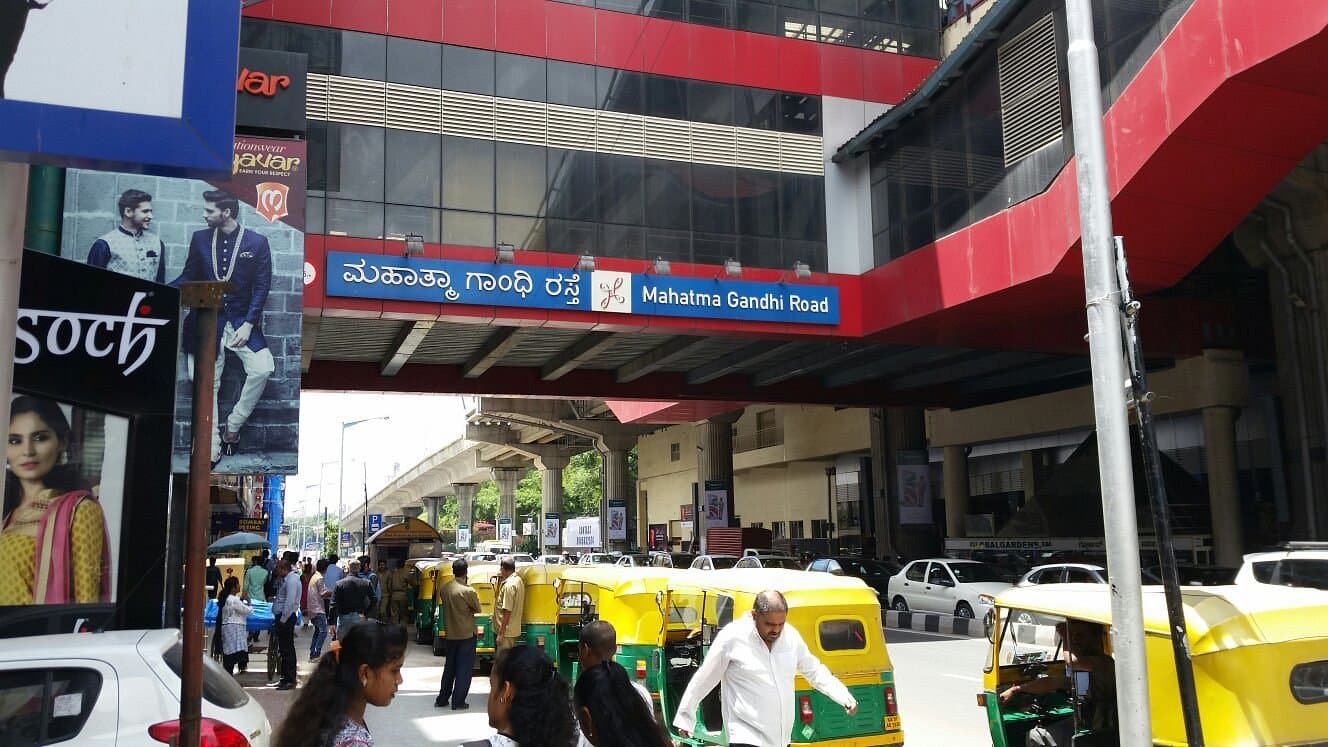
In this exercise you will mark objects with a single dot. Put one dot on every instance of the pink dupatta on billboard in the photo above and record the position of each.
(54, 582)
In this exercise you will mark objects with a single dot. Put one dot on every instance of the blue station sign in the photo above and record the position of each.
(382, 277)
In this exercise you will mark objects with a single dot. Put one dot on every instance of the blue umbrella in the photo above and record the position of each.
(237, 542)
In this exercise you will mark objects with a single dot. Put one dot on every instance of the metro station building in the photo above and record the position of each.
(872, 205)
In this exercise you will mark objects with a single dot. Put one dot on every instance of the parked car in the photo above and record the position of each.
(1193, 574)
(1064, 573)
(633, 560)
(671, 559)
(1294, 564)
(481, 557)
(523, 557)
(761, 552)
(874, 573)
(120, 688)
(963, 588)
(769, 561)
(714, 562)
(550, 559)
(595, 558)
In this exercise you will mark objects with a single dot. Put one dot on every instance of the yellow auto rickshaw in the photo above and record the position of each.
(633, 600)
(1260, 656)
(426, 571)
(483, 578)
(839, 618)
(539, 618)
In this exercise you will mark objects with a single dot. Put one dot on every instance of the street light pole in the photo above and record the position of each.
(341, 469)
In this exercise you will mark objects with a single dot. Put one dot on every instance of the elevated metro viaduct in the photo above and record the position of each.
(933, 197)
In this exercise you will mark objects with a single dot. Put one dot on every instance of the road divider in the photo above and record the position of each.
(928, 622)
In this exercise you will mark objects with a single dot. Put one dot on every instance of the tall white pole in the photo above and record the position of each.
(1109, 379)
(13, 217)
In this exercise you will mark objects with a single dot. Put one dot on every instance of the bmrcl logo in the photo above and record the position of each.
(611, 291)
(271, 203)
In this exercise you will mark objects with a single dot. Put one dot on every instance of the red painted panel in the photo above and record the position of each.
(521, 26)
(369, 16)
(664, 48)
(415, 20)
(800, 66)
(1274, 120)
(1193, 173)
(1298, 69)
(1194, 62)
(569, 33)
(636, 411)
(841, 71)
(616, 40)
(712, 53)
(313, 292)
(1256, 31)
(883, 77)
(989, 248)
(753, 54)
(469, 23)
(912, 71)
(261, 10)
(1136, 122)
(314, 12)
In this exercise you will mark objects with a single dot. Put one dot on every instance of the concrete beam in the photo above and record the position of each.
(409, 338)
(571, 357)
(806, 364)
(892, 360)
(741, 358)
(499, 344)
(658, 358)
(499, 435)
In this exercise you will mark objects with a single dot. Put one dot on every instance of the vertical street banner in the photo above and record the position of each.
(463, 536)
(551, 530)
(617, 520)
(248, 231)
(274, 489)
(505, 531)
(913, 474)
(715, 504)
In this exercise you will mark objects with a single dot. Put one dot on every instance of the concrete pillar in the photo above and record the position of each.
(905, 429)
(410, 512)
(714, 460)
(1219, 425)
(613, 449)
(507, 478)
(551, 491)
(431, 504)
(956, 491)
(465, 493)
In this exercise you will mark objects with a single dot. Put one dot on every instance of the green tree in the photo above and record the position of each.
(583, 484)
(331, 536)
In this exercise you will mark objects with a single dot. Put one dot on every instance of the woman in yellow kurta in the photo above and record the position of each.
(53, 545)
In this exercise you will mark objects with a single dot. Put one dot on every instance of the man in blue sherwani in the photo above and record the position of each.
(226, 251)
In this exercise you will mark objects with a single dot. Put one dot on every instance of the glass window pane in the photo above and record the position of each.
(842, 7)
(922, 15)
(317, 155)
(758, 202)
(840, 30)
(626, 242)
(711, 12)
(667, 186)
(620, 185)
(526, 234)
(800, 113)
(713, 249)
(520, 179)
(757, 17)
(417, 63)
(802, 207)
(881, 10)
(620, 91)
(798, 24)
(571, 84)
(467, 174)
(756, 107)
(675, 10)
(401, 220)
(573, 237)
(757, 251)
(520, 77)
(466, 69)
(361, 55)
(467, 229)
(812, 252)
(350, 218)
(314, 214)
(355, 162)
(572, 192)
(709, 102)
(674, 246)
(412, 168)
(622, 6)
(666, 97)
(714, 204)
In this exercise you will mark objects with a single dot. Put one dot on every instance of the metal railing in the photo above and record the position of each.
(759, 439)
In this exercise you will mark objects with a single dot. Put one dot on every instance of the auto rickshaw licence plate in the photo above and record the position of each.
(892, 723)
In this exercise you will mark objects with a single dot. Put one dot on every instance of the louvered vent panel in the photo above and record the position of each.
(801, 154)
(713, 144)
(668, 139)
(571, 127)
(315, 97)
(468, 115)
(356, 101)
(1030, 90)
(757, 149)
(624, 134)
(413, 108)
(521, 121)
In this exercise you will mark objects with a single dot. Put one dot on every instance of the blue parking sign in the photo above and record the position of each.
(375, 523)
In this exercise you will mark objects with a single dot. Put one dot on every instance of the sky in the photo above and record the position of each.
(419, 425)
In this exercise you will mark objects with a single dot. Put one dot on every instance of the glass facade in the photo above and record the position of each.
(944, 168)
(374, 182)
(903, 26)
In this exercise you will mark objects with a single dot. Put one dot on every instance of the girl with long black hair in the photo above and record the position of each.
(611, 711)
(528, 701)
(363, 668)
(232, 622)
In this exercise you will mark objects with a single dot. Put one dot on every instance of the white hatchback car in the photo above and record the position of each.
(963, 588)
(1296, 564)
(120, 688)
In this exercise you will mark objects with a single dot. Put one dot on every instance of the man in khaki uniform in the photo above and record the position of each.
(511, 601)
(394, 594)
(459, 605)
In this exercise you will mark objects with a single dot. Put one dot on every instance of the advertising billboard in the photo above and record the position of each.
(248, 231)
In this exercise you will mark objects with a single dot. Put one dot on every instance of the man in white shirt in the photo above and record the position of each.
(756, 658)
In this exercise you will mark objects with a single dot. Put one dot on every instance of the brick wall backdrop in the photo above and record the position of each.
(269, 442)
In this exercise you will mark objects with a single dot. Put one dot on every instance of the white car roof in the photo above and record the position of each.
(83, 645)
(1085, 566)
(1283, 554)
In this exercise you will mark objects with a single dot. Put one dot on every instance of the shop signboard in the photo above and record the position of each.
(162, 102)
(355, 275)
(169, 231)
(270, 90)
(249, 524)
(617, 520)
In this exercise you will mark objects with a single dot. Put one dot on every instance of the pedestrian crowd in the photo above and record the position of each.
(530, 704)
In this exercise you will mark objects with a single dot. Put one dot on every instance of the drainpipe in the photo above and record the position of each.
(46, 204)
(1297, 384)
(1316, 327)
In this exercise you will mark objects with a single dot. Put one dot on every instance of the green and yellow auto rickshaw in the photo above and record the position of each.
(483, 578)
(425, 573)
(539, 619)
(839, 618)
(633, 600)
